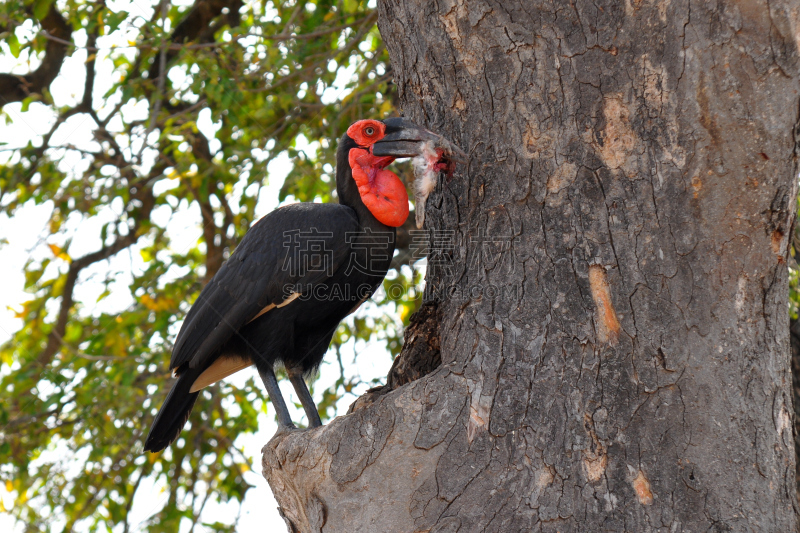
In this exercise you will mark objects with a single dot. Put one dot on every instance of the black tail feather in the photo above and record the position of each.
(174, 413)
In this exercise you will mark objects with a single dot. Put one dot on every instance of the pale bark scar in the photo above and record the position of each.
(778, 245)
(608, 324)
(539, 144)
(595, 459)
(478, 418)
(458, 101)
(784, 421)
(563, 177)
(595, 465)
(469, 51)
(480, 408)
(697, 186)
(544, 478)
(741, 293)
(642, 487)
(619, 140)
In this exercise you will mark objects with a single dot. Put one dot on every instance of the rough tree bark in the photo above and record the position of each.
(614, 344)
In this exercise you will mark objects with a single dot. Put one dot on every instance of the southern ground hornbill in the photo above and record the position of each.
(297, 273)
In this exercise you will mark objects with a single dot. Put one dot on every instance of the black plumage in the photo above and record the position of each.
(255, 276)
(280, 296)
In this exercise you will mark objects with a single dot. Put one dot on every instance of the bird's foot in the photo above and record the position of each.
(284, 429)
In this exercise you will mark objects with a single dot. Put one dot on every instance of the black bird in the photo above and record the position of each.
(296, 274)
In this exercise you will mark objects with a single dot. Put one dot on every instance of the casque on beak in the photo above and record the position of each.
(406, 139)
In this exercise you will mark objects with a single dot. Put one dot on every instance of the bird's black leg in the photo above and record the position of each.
(271, 383)
(296, 377)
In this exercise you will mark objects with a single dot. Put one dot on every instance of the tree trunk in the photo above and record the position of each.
(613, 322)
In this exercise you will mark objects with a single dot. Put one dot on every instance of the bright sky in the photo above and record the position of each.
(27, 237)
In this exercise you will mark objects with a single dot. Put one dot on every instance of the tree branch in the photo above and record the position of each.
(88, 88)
(15, 88)
(197, 46)
(145, 195)
(193, 25)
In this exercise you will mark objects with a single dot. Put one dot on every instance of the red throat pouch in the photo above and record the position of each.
(381, 190)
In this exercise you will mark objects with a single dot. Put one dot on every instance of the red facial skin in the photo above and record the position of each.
(381, 190)
(358, 132)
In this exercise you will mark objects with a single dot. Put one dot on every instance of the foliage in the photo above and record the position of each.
(794, 271)
(83, 381)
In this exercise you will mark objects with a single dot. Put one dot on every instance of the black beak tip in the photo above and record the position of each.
(407, 139)
(396, 148)
(458, 155)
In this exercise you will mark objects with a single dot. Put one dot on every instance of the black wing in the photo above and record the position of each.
(257, 274)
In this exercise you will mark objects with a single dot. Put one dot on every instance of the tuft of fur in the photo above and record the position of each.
(425, 178)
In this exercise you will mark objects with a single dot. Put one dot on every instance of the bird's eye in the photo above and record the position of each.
(369, 131)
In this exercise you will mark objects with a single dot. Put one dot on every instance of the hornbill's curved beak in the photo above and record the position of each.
(405, 139)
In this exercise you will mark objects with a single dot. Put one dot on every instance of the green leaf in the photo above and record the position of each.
(41, 8)
(114, 20)
(13, 44)
(26, 103)
(249, 90)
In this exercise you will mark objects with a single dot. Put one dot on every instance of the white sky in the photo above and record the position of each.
(27, 237)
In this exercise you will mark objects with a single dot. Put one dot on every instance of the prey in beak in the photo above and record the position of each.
(432, 154)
